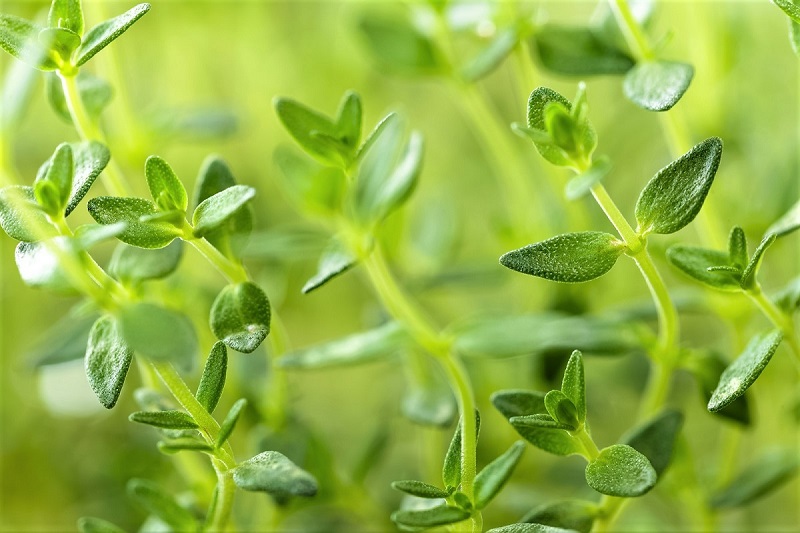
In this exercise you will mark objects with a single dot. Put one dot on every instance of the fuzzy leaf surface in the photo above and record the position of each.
(655, 438)
(164, 419)
(273, 473)
(240, 316)
(419, 489)
(21, 217)
(491, 479)
(215, 211)
(108, 358)
(695, 263)
(166, 189)
(155, 234)
(212, 381)
(66, 14)
(104, 33)
(657, 85)
(621, 471)
(428, 518)
(335, 260)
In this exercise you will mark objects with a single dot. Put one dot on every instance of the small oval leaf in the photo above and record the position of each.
(213, 379)
(273, 473)
(419, 489)
(158, 333)
(107, 360)
(428, 518)
(240, 316)
(216, 210)
(657, 85)
(621, 471)
(164, 419)
(110, 210)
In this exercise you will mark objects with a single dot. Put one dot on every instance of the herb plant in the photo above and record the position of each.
(426, 387)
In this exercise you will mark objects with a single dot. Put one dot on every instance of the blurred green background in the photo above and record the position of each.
(62, 456)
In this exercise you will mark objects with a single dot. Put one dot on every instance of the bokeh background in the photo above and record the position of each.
(198, 77)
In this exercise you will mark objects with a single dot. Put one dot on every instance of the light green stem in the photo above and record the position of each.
(401, 308)
(234, 272)
(589, 446)
(634, 35)
(89, 131)
(618, 220)
(610, 508)
(780, 319)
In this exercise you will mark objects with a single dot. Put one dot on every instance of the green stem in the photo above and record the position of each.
(634, 35)
(610, 508)
(589, 446)
(234, 272)
(631, 238)
(89, 131)
(780, 319)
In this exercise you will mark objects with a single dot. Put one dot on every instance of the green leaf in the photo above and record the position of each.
(335, 260)
(512, 403)
(539, 99)
(110, 210)
(164, 419)
(765, 475)
(104, 33)
(226, 428)
(508, 336)
(491, 479)
(676, 193)
(429, 404)
(273, 473)
(158, 333)
(89, 159)
(748, 281)
(794, 37)
(492, 55)
(358, 348)
(21, 217)
(788, 299)
(59, 42)
(89, 235)
(791, 9)
(39, 265)
(544, 433)
(240, 316)
(213, 379)
(696, 262)
(166, 189)
(159, 502)
(107, 360)
(656, 438)
(419, 489)
(529, 528)
(576, 515)
(657, 85)
(313, 188)
(451, 469)
(577, 51)
(46, 195)
(427, 518)
(568, 258)
(88, 524)
(60, 173)
(348, 120)
(562, 409)
(20, 38)
(313, 132)
(573, 385)
(621, 471)
(581, 185)
(788, 223)
(129, 264)
(66, 14)
(744, 371)
(737, 248)
(540, 421)
(707, 367)
(215, 211)
(388, 172)
(184, 444)
(398, 46)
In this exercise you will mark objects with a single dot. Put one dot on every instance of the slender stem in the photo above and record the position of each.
(89, 131)
(669, 329)
(613, 213)
(634, 35)
(234, 272)
(781, 320)
(589, 446)
(610, 508)
(459, 382)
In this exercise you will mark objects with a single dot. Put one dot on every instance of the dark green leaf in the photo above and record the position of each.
(240, 316)
(66, 14)
(737, 248)
(19, 37)
(539, 99)
(751, 270)
(107, 361)
(657, 85)
(166, 189)
(419, 489)
(40, 266)
(581, 185)
(129, 263)
(313, 188)
(104, 33)
(655, 438)
(89, 158)
(110, 210)
(621, 471)
(707, 367)
(226, 428)
(427, 518)
(184, 444)
(313, 132)
(158, 333)
(788, 223)
(791, 9)
(568, 258)
(88, 524)
(743, 372)
(21, 217)
(676, 193)
(577, 51)
(353, 349)
(159, 502)
(492, 55)
(399, 46)
(491, 479)
(451, 469)
(544, 433)
(529, 528)
(695, 262)
(540, 421)
(508, 336)
(164, 419)
(765, 475)
(513, 403)
(213, 379)
(577, 515)
(335, 260)
(215, 211)
(573, 385)
(561, 409)
(273, 473)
